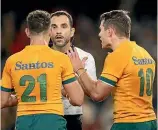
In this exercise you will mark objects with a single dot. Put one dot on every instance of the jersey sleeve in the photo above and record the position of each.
(6, 83)
(68, 74)
(114, 66)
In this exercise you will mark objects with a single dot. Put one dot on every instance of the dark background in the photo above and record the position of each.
(97, 116)
(88, 7)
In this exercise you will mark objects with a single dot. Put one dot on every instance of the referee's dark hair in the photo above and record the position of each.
(61, 12)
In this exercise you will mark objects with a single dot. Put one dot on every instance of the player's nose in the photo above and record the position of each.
(99, 34)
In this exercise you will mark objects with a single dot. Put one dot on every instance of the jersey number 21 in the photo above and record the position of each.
(43, 88)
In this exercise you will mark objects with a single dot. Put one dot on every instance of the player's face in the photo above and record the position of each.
(104, 36)
(61, 31)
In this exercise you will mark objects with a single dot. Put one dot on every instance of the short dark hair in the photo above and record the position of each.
(59, 13)
(119, 19)
(38, 21)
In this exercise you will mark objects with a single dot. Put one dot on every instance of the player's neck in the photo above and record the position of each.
(62, 49)
(117, 42)
(38, 41)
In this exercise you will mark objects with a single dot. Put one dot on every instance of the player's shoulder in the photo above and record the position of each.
(83, 54)
(145, 53)
(14, 57)
(144, 50)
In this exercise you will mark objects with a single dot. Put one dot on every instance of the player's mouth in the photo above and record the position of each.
(101, 40)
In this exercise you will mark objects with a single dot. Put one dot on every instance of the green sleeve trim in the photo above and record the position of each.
(69, 81)
(111, 82)
(7, 89)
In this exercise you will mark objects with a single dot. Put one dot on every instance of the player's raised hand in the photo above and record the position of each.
(75, 60)
(84, 61)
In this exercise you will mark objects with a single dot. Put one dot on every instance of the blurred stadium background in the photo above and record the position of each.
(97, 116)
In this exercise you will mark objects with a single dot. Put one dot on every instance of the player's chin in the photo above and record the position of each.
(103, 45)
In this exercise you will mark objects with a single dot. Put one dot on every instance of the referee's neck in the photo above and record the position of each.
(63, 49)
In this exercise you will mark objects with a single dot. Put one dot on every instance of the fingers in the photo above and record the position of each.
(84, 59)
(76, 53)
(72, 54)
(69, 54)
(13, 95)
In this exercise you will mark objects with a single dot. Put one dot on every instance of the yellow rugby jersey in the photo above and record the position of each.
(131, 70)
(37, 74)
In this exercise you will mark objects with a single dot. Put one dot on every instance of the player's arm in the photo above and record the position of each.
(100, 89)
(97, 90)
(7, 100)
(71, 86)
(75, 93)
(65, 94)
(91, 71)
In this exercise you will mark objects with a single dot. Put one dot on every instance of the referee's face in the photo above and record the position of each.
(61, 31)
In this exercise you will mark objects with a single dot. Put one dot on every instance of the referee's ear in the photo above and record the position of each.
(72, 32)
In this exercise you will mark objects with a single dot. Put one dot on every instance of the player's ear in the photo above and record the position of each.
(27, 32)
(109, 31)
(112, 31)
(72, 32)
